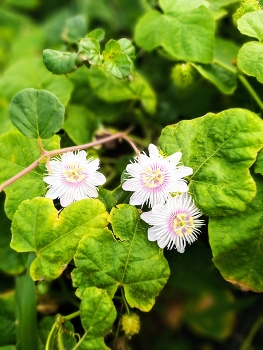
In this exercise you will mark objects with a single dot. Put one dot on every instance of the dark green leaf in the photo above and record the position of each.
(36, 113)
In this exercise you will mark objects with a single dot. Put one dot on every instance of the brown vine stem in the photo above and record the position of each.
(47, 154)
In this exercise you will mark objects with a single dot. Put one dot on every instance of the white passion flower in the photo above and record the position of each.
(153, 177)
(72, 177)
(174, 223)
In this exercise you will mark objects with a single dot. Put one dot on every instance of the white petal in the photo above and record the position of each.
(174, 158)
(65, 201)
(153, 151)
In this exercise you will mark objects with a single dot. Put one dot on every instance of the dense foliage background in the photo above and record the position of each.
(170, 82)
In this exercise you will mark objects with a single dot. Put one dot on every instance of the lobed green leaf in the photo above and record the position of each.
(184, 33)
(37, 113)
(115, 61)
(218, 147)
(129, 260)
(37, 226)
(237, 244)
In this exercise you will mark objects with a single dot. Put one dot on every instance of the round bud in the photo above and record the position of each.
(130, 324)
(184, 75)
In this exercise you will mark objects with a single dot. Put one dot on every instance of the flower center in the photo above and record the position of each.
(183, 224)
(152, 178)
(74, 173)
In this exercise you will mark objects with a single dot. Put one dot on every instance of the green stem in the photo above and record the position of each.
(69, 317)
(251, 91)
(247, 343)
(49, 339)
(27, 333)
(225, 66)
(125, 302)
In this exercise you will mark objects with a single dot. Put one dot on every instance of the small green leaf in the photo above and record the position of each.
(131, 261)
(81, 124)
(116, 62)
(89, 49)
(54, 237)
(59, 62)
(127, 48)
(16, 153)
(237, 244)
(97, 314)
(36, 113)
(251, 24)
(97, 34)
(249, 59)
(218, 147)
(186, 35)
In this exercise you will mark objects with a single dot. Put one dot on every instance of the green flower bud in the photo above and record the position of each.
(130, 324)
(246, 6)
(184, 75)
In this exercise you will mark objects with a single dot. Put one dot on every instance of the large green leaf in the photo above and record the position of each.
(97, 314)
(37, 113)
(237, 244)
(59, 62)
(111, 89)
(16, 153)
(37, 226)
(249, 59)
(130, 261)
(251, 24)
(185, 32)
(218, 147)
(11, 262)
